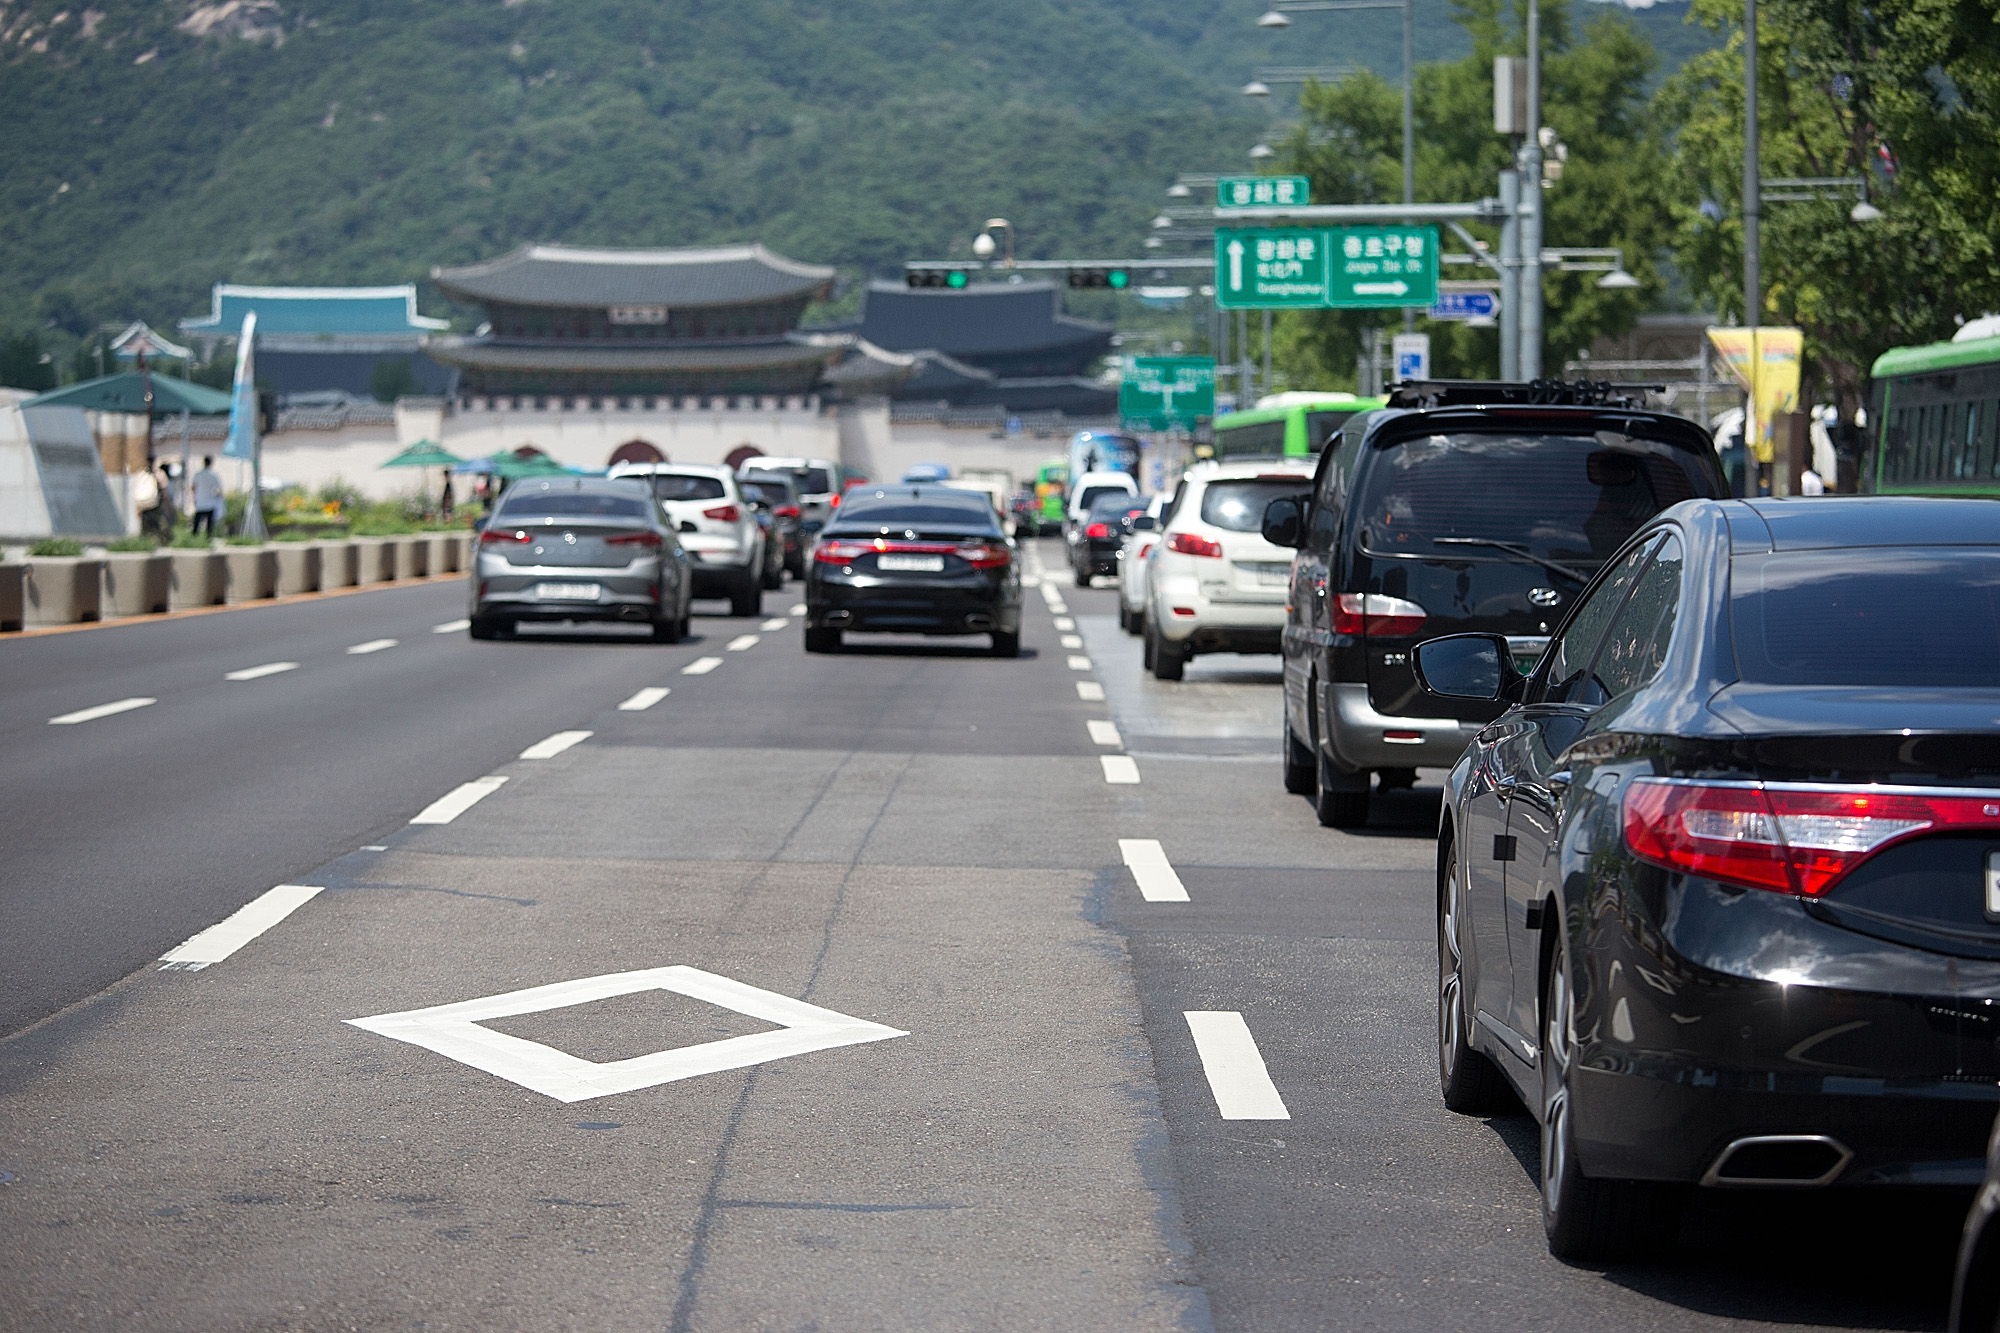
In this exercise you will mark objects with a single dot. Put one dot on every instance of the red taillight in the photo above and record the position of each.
(787, 511)
(1099, 530)
(1145, 546)
(984, 555)
(723, 513)
(1375, 615)
(841, 553)
(1189, 543)
(651, 539)
(1791, 839)
(833, 502)
(493, 538)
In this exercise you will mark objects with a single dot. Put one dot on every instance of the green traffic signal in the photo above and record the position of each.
(954, 279)
(1117, 277)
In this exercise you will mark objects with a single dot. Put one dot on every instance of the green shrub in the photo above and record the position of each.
(240, 539)
(51, 548)
(185, 540)
(140, 544)
(283, 536)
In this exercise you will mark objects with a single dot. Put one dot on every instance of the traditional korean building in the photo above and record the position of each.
(312, 340)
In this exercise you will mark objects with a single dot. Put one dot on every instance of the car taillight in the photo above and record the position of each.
(1099, 530)
(1780, 836)
(1377, 616)
(1189, 543)
(984, 555)
(841, 553)
(1145, 546)
(833, 502)
(723, 513)
(788, 511)
(490, 537)
(651, 539)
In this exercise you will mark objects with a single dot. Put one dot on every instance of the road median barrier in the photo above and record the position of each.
(339, 563)
(252, 573)
(137, 583)
(199, 579)
(413, 556)
(301, 567)
(10, 595)
(377, 559)
(63, 589)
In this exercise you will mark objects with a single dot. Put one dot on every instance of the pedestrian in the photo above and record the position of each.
(444, 501)
(208, 506)
(1811, 483)
(146, 500)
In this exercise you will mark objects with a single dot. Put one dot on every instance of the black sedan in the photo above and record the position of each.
(914, 560)
(1102, 535)
(1719, 893)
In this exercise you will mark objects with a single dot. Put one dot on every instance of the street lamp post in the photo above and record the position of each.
(1753, 209)
(1529, 336)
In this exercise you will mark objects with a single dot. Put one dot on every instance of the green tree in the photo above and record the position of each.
(22, 364)
(392, 379)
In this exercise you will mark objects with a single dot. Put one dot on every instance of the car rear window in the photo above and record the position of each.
(1239, 505)
(1117, 505)
(814, 480)
(1092, 494)
(915, 516)
(573, 505)
(681, 486)
(1913, 617)
(1564, 497)
(777, 489)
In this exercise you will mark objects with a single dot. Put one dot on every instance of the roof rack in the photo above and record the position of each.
(1567, 393)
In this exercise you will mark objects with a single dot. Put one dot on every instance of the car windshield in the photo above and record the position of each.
(915, 516)
(1239, 505)
(586, 505)
(1915, 617)
(1564, 497)
(684, 486)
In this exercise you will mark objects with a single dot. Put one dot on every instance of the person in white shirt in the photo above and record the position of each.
(1810, 483)
(208, 506)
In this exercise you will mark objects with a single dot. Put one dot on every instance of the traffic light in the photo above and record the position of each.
(953, 278)
(1117, 279)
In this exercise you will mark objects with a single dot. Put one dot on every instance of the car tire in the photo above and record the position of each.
(1145, 651)
(1301, 765)
(774, 577)
(667, 630)
(747, 599)
(1341, 804)
(1082, 578)
(1586, 1220)
(1006, 645)
(1470, 1082)
(822, 640)
(1168, 662)
(483, 627)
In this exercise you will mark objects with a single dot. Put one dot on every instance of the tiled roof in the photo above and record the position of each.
(561, 275)
(980, 321)
(634, 360)
(324, 311)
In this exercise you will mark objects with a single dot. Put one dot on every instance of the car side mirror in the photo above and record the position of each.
(1468, 666)
(1283, 520)
(687, 525)
(1145, 523)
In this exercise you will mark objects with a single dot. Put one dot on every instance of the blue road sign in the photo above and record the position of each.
(1465, 305)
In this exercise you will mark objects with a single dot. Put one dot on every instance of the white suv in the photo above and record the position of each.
(718, 529)
(1213, 584)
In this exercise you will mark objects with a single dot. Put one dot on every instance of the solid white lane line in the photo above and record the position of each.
(102, 710)
(451, 627)
(1120, 769)
(798, 610)
(237, 929)
(253, 673)
(644, 699)
(1090, 691)
(1071, 640)
(775, 623)
(1236, 1074)
(458, 800)
(1151, 870)
(1104, 733)
(372, 646)
(1064, 622)
(742, 641)
(1077, 663)
(701, 666)
(555, 744)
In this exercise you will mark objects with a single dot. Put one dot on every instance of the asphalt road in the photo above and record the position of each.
(978, 1066)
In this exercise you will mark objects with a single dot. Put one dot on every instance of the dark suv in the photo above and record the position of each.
(1462, 506)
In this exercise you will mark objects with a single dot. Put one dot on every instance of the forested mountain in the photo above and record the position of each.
(156, 146)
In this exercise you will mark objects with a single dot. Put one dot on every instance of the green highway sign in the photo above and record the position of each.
(1344, 268)
(1262, 192)
(1166, 392)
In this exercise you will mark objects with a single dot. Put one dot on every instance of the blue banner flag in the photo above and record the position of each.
(242, 442)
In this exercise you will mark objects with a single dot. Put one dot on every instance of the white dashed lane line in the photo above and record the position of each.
(644, 699)
(555, 744)
(1103, 732)
(774, 624)
(1079, 663)
(451, 627)
(742, 641)
(1151, 870)
(258, 672)
(1065, 623)
(101, 710)
(701, 666)
(372, 646)
(237, 929)
(1236, 1074)
(798, 610)
(1090, 691)
(1070, 640)
(1121, 770)
(458, 800)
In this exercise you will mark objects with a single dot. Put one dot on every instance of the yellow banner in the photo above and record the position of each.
(1765, 361)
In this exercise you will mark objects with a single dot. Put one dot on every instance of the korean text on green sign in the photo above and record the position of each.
(1262, 192)
(1350, 268)
(1167, 392)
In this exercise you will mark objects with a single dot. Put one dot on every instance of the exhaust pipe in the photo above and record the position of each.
(1779, 1161)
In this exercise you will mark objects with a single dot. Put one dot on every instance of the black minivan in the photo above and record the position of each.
(1463, 506)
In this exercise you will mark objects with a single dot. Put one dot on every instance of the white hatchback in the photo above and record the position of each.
(1214, 585)
(1132, 565)
(718, 529)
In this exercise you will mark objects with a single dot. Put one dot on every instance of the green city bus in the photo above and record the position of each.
(1932, 415)
(1051, 494)
(1287, 425)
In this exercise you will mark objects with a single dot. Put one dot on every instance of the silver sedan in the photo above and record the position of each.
(580, 549)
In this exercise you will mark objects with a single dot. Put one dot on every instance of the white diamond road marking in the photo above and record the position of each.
(1090, 691)
(1104, 733)
(1120, 769)
(701, 666)
(451, 627)
(798, 610)
(774, 624)
(372, 646)
(1077, 663)
(644, 699)
(258, 672)
(101, 710)
(1151, 870)
(555, 744)
(1071, 640)
(458, 800)
(742, 641)
(237, 929)
(1064, 622)
(1236, 1074)
(453, 1030)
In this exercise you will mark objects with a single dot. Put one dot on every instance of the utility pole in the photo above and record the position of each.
(1530, 335)
(1510, 275)
(1753, 208)
(1410, 127)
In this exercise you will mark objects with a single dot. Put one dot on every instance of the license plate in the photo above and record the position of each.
(1993, 886)
(910, 564)
(1269, 575)
(566, 592)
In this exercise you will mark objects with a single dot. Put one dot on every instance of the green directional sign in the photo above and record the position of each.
(1373, 267)
(1346, 268)
(1262, 192)
(1271, 268)
(1166, 392)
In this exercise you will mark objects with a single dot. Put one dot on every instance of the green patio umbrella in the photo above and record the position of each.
(126, 392)
(513, 467)
(425, 453)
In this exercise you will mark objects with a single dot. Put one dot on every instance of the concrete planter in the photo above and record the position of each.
(199, 579)
(413, 557)
(378, 559)
(339, 564)
(62, 590)
(137, 583)
(300, 567)
(444, 553)
(253, 573)
(465, 543)
(10, 596)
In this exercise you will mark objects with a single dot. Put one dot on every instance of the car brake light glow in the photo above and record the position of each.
(984, 555)
(833, 502)
(1191, 543)
(1376, 616)
(787, 511)
(652, 539)
(492, 538)
(723, 513)
(1098, 530)
(1784, 837)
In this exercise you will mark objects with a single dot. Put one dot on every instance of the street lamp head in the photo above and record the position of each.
(1617, 280)
(999, 222)
(1271, 18)
(1162, 222)
(982, 245)
(1262, 151)
(1865, 212)
(1256, 88)
(1178, 190)
(1154, 242)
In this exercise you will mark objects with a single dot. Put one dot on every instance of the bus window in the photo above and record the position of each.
(1258, 439)
(1322, 427)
